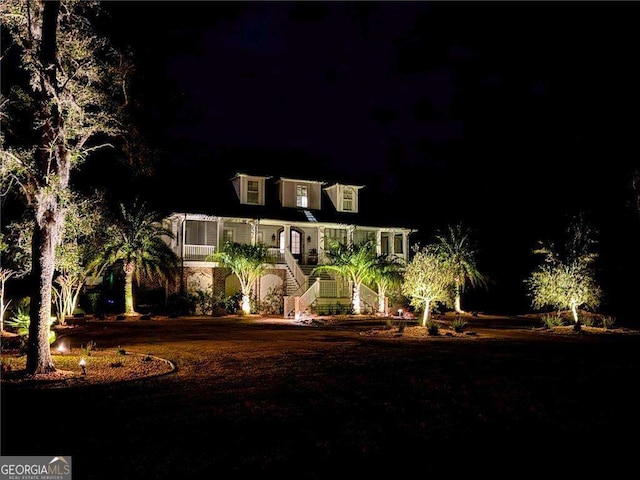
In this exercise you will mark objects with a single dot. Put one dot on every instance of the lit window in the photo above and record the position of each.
(398, 244)
(384, 244)
(301, 196)
(253, 192)
(335, 234)
(227, 235)
(198, 232)
(295, 243)
(347, 200)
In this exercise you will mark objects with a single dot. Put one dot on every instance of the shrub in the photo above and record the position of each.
(21, 321)
(201, 301)
(88, 348)
(179, 304)
(550, 321)
(433, 328)
(273, 301)
(94, 301)
(608, 321)
(229, 303)
(6, 366)
(459, 324)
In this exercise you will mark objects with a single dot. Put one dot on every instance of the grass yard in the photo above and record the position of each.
(254, 396)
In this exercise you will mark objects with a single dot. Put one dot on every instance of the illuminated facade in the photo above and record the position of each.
(295, 218)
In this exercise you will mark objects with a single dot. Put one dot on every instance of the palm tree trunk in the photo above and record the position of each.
(458, 301)
(128, 289)
(356, 298)
(381, 303)
(246, 302)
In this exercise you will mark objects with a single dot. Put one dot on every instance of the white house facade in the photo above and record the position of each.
(296, 219)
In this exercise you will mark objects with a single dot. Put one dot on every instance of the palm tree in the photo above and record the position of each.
(248, 262)
(353, 261)
(135, 242)
(386, 273)
(459, 252)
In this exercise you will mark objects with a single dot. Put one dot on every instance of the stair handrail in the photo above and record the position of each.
(308, 297)
(292, 263)
(369, 297)
(301, 289)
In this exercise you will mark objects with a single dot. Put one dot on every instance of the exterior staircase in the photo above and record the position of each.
(290, 284)
(329, 293)
(307, 269)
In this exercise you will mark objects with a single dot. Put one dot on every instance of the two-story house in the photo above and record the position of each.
(296, 218)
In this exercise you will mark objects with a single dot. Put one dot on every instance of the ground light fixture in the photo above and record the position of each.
(83, 365)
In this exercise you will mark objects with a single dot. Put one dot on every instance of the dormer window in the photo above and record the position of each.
(344, 197)
(249, 188)
(347, 200)
(302, 197)
(253, 192)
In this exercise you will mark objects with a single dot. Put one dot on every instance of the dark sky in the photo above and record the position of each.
(509, 116)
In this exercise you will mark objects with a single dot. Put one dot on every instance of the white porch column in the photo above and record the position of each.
(254, 231)
(379, 242)
(350, 230)
(287, 237)
(405, 245)
(218, 230)
(320, 244)
(184, 235)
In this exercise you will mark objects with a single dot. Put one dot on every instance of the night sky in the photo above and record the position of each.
(508, 116)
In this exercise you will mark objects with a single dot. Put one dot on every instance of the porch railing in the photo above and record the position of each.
(197, 253)
(335, 288)
(368, 299)
(275, 255)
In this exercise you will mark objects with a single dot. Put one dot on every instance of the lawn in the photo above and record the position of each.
(257, 396)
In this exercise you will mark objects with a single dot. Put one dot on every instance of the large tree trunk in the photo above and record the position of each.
(425, 314)
(43, 249)
(53, 169)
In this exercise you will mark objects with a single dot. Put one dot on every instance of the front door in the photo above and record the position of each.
(296, 245)
(295, 240)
